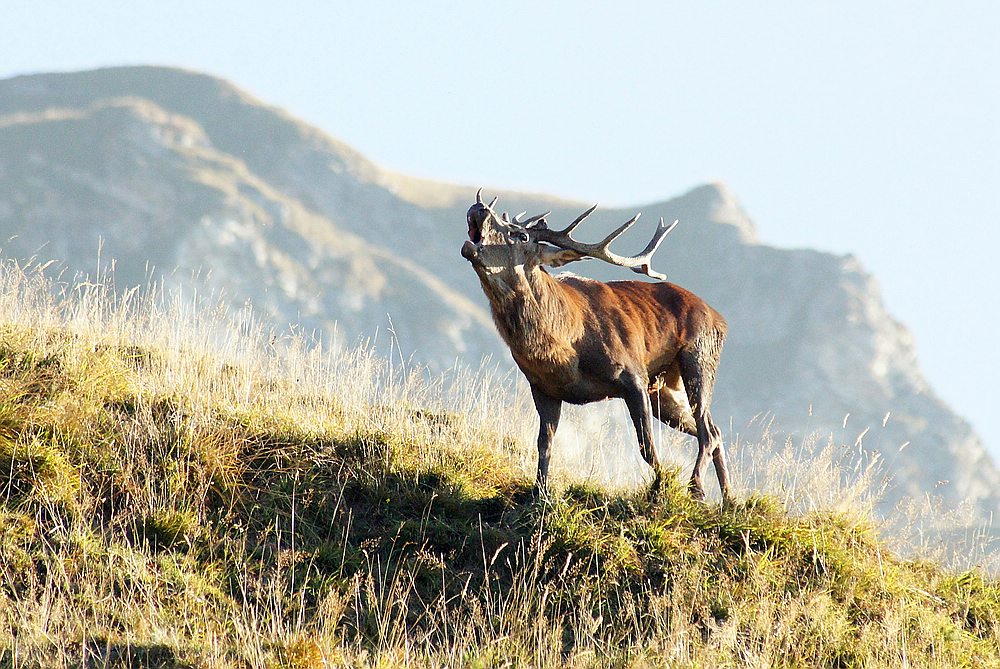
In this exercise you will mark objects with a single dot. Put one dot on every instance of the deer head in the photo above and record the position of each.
(503, 251)
(499, 245)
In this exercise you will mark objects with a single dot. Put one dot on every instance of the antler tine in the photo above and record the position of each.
(517, 219)
(489, 207)
(536, 218)
(642, 260)
(662, 230)
(620, 231)
(579, 219)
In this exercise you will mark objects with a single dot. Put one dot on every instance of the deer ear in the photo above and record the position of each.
(559, 257)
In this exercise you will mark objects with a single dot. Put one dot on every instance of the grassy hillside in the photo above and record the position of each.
(179, 490)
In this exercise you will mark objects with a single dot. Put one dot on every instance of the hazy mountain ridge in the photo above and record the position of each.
(190, 174)
(150, 187)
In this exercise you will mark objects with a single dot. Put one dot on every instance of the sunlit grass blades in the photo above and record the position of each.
(178, 491)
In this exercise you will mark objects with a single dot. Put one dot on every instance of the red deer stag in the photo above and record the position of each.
(655, 345)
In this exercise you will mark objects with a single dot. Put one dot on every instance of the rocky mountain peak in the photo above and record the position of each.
(716, 203)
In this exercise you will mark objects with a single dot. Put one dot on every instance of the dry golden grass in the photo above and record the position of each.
(180, 489)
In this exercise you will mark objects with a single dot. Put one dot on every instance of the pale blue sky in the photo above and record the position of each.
(857, 127)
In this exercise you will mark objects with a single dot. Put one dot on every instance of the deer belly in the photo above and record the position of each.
(566, 382)
(584, 393)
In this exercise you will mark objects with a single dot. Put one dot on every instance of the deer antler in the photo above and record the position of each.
(479, 199)
(503, 220)
(640, 264)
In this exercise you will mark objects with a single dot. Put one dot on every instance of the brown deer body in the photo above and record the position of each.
(655, 345)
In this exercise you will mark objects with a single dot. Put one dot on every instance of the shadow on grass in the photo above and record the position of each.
(101, 654)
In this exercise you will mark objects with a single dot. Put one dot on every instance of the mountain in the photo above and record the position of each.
(180, 175)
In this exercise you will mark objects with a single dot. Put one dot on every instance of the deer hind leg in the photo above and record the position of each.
(698, 363)
(638, 402)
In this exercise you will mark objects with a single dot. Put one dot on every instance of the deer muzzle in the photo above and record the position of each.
(469, 251)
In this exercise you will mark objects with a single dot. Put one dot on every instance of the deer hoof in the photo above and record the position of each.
(541, 494)
(696, 491)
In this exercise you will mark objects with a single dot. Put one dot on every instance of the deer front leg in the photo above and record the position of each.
(548, 409)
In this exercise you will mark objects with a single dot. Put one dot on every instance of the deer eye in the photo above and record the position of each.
(521, 236)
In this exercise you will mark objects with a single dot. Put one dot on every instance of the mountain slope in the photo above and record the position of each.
(188, 174)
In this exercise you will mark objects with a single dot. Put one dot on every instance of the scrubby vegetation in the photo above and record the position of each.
(177, 492)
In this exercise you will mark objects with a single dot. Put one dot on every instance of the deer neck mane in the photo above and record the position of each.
(536, 315)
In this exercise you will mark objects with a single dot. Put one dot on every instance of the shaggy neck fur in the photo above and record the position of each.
(534, 313)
